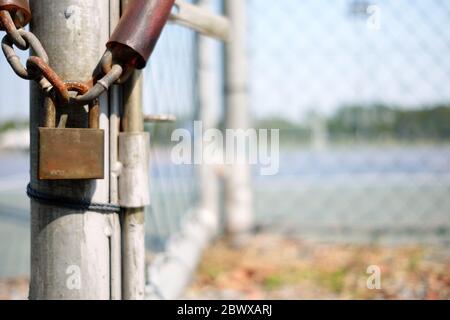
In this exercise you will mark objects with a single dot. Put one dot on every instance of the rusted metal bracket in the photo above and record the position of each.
(138, 31)
(201, 20)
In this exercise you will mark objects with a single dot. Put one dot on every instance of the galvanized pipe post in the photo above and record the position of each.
(72, 251)
(133, 143)
(238, 194)
(208, 115)
(115, 166)
(201, 19)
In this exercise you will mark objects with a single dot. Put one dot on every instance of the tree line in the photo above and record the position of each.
(369, 123)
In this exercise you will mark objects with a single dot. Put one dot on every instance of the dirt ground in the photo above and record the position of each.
(14, 289)
(273, 267)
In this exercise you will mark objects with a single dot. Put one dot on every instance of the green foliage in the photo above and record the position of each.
(11, 125)
(290, 132)
(273, 282)
(381, 122)
(161, 133)
(335, 281)
(370, 124)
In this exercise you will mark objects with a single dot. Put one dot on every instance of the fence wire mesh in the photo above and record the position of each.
(170, 88)
(360, 92)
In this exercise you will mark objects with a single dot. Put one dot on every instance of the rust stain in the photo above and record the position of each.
(52, 77)
(71, 154)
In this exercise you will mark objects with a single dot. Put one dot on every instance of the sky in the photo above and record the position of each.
(308, 55)
(313, 55)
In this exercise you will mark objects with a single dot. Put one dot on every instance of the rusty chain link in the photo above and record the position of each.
(13, 59)
(38, 68)
(129, 48)
(7, 23)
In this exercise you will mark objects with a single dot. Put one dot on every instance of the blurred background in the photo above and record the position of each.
(360, 92)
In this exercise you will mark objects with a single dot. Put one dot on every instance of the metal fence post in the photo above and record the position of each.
(238, 194)
(71, 249)
(114, 125)
(133, 219)
(208, 107)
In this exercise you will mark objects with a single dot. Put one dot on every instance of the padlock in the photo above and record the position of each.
(19, 10)
(71, 153)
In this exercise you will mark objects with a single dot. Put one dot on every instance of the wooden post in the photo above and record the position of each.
(71, 250)
(238, 195)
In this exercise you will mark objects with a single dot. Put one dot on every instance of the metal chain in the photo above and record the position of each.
(38, 68)
(8, 24)
(13, 59)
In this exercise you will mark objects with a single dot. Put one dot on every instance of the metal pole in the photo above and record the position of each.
(71, 251)
(200, 19)
(238, 195)
(133, 219)
(114, 125)
(208, 110)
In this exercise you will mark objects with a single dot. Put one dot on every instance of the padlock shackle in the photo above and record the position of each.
(94, 107)
(49, 120)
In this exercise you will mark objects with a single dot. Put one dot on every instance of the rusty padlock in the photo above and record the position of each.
(71, 153)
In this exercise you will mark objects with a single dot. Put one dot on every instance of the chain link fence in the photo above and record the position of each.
(360, 92)
(170, 89)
